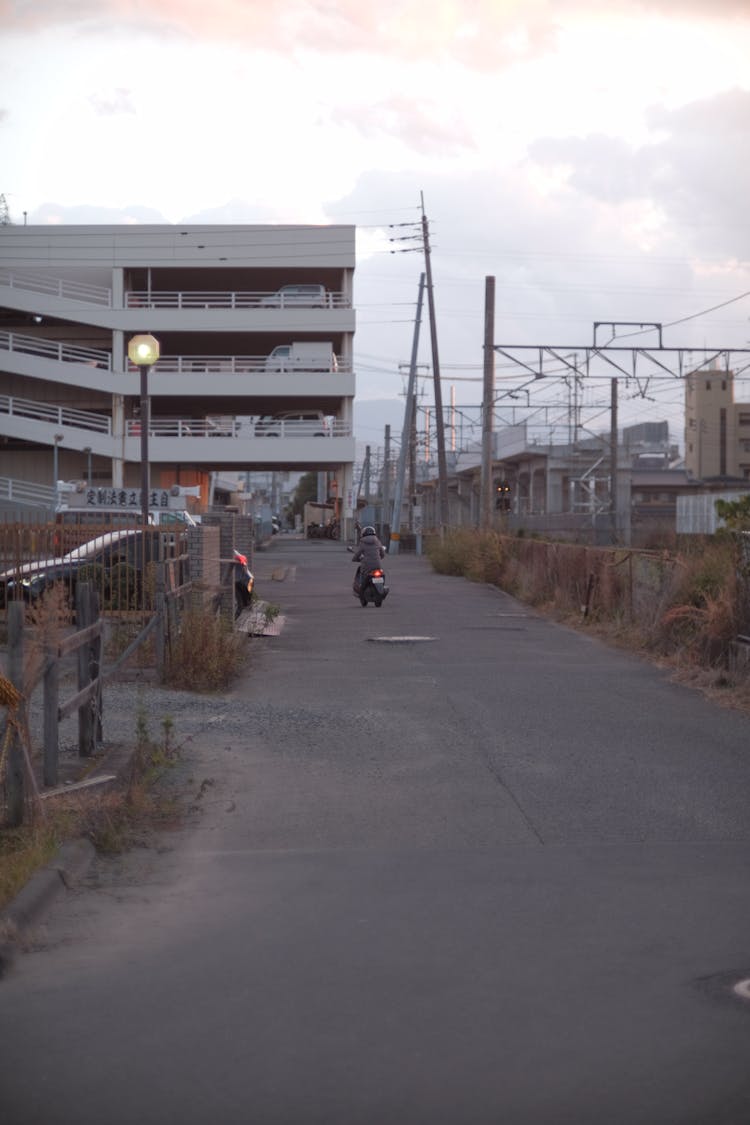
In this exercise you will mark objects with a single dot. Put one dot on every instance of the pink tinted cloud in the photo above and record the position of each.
(474, 31)
(478, 33)
(417, 123)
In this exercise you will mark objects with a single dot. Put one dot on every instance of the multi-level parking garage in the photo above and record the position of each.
(224, 302)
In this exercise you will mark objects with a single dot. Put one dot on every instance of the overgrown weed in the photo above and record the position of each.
(114, 821)
(207, 654)
(684, 609)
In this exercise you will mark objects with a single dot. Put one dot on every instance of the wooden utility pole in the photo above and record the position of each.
(486, 491)
(439, 419)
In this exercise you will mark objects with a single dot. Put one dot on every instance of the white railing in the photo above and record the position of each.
(294, 428)
(54, 415)
(26, 492)
(180, 365)
(227, 426)
(221, 299)
(51, 349)
(172, 299)
(240, 365)
(58, 287)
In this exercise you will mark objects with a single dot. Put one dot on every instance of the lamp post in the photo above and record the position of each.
(143, 351)
(87, 451)
(55, 463)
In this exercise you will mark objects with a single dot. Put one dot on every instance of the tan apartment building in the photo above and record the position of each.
(717, 429)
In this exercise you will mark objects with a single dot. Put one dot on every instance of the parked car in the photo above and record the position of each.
(113, 562)
(75, 526)
(292, 423)
(296, 296)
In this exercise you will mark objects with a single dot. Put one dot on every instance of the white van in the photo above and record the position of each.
(302, 356)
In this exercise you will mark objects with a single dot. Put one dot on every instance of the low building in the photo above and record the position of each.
(717, 429)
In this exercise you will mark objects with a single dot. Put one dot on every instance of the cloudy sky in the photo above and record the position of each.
(593, 158)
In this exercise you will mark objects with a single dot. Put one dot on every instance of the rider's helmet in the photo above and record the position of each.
(368, 531)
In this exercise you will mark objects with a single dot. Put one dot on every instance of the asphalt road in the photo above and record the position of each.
(497, 875)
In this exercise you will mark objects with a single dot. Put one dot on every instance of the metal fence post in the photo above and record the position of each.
(86, 725)
(160, 607)
(51, 721)
(14, 778)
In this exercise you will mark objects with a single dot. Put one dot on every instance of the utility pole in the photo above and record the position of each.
(613, 460)
(407, 432)
(439, 420)
(366, 474)
(488, 402)
(386, 486)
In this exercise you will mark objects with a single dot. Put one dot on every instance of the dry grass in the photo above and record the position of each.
(23, 851)
(207, 654)
(684, 608)
(114, 821)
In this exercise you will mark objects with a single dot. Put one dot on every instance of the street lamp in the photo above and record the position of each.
(55, 470)
(143, 351)
(87, 451)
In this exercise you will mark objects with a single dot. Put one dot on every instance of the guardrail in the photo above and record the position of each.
(57, 287)
(51, 349)
(180, 365)
(239, 365)
(242, 426)
(221, 299)
(239, 427)
(54, 415)
(26, 492)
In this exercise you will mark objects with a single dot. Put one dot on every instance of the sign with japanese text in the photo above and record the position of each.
(120, 498)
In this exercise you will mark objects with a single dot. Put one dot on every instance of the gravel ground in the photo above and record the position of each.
(131, 704)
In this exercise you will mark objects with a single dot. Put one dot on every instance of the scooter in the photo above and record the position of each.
(243, 583)
(369, 585)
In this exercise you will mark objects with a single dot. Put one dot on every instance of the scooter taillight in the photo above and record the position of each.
(376, 574)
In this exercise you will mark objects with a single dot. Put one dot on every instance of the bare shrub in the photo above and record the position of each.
(487, 559)
(451, 553)
(207, 654)
(700, 619)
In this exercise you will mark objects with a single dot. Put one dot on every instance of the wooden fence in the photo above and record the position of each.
(18, 771)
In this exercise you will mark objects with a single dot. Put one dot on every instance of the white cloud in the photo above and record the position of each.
(116, 102)
(697, 173)
(588, 156)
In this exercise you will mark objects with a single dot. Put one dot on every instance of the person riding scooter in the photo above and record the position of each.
(368, 554)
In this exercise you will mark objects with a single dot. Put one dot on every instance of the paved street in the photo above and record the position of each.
(496, 874)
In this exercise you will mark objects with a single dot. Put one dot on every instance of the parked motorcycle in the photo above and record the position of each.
(369, 585)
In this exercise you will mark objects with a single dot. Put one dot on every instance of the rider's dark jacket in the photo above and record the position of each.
(369, 553)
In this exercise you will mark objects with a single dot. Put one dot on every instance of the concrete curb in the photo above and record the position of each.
(71, 862)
